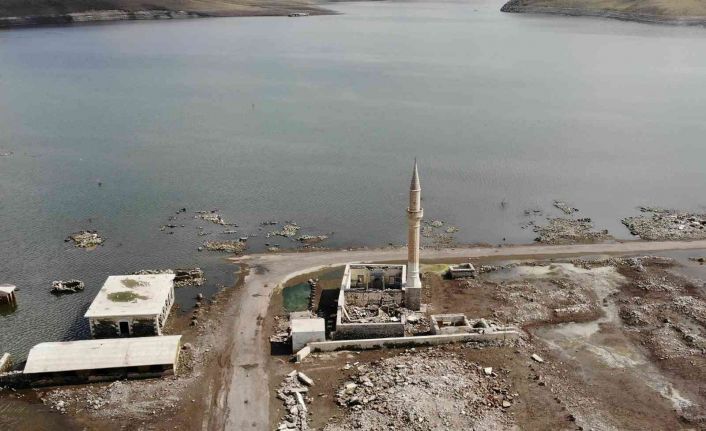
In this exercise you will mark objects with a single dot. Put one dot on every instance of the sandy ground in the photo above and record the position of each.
(247, 383)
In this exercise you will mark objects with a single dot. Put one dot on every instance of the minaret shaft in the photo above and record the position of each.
(414, 220)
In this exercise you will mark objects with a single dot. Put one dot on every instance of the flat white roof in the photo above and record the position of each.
(132, 295)
(308, 325)
(105, 353)
(7, 288)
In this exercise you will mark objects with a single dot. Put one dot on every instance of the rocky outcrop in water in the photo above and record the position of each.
(70, 286)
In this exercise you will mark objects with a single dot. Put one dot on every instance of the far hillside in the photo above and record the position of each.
(660, 11)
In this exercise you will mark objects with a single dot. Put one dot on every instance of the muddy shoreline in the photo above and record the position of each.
(514, 6)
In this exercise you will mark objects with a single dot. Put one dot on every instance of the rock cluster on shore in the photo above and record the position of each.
(661, 224)
(568, 231)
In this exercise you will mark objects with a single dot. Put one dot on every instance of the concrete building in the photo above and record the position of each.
(131, 306)
(306, 329)
(109, 359)
(7, 294)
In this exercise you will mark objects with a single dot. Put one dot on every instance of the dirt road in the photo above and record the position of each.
(242, 403)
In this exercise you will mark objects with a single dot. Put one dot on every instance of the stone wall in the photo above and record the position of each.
(352, 331)
(413, 298)
(144, 328)
(426, 340)
(105, 328)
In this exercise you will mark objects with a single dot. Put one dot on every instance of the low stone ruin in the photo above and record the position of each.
(85, 239)
(294, 394)
(70, 286)
(182, 277)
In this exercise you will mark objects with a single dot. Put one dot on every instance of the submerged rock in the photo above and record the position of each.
(226, 246)
(85, 239)
(70, 286)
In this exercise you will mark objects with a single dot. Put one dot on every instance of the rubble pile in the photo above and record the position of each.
(85, 239)
(666, 225)
(370, 314)
(294, 394)
(567, 231)
(70, 286)
(417, 324)
(237, 247)
(423, 390)
(182, 277)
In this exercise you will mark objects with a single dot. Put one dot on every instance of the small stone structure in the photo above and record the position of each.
(463, 270)
(7, 294)
(131, 306)
(450, 324)
(305, 329)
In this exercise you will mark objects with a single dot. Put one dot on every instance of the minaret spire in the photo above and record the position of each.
(414, 219)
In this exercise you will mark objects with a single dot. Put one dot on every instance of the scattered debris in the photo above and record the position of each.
(294, 395)
(6, 154)
(666, 225)
(70, 286)
(227, 246)
(85, 239)
(700, 259)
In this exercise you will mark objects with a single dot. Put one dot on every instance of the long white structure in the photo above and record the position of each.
(130, 354)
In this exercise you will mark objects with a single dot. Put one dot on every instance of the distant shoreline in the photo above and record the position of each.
(9, 22)
(515, 6)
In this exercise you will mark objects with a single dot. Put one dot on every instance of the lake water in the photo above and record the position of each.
(317, 120)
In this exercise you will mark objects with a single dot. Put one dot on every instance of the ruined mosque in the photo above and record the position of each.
(376, 301)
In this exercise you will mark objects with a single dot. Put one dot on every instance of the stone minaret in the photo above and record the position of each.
(414, 219)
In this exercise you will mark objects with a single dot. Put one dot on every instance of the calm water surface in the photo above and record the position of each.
(317, 120)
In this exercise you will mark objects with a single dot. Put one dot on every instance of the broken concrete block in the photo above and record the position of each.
(305, 379)
(303, 353)
(488, 371)
(300, 400)
(537, 358)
